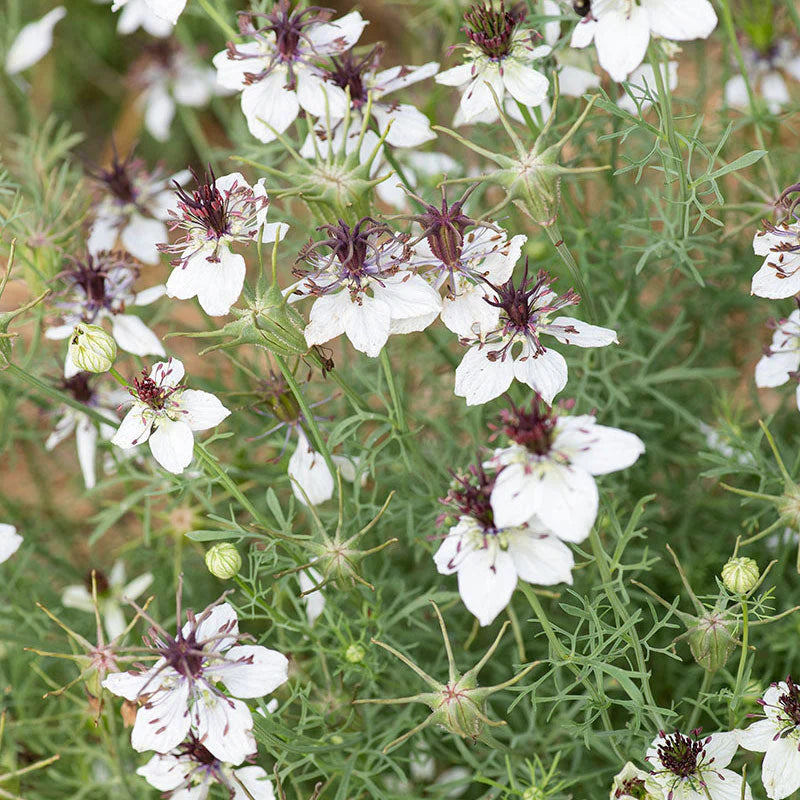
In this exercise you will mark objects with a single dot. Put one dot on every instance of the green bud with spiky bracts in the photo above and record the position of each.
(460, 704)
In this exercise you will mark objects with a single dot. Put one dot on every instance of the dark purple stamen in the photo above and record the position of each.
(347, 72)
(101, 583)
(681, 754)
(119, 177)
(790, 701)
(92, 274)
(470, 495)
(205, 206)
(492, 29)
(150, 392)
(532, 429)
(78, 387)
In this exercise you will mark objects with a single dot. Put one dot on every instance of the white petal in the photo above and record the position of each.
(133, 336)
(168, 373)
(312, 481)
(319, 97)
(541, 559)
(113, 620)
(255, 783)
(140, 237)
(159, 110)
(77, 596)
(770, 283)
(758, 736)
(222, 284)
(164, 772)
(201, 410)
(455, 546)
(569, 330)
(681, 19)
(394, 78)
(216, 629)
(253, 671)
(524, 83)
(478, 96)
(103, 233)
(326, 320)
(597, 449)
(138, 585)
(163, 722)
(568, 502)
(169, 10)
(33, 42)
(545, 373)
(225, 727)
(575, 82)
(131, 684)
(269, 107)
(486, 581)
(409, 126)
(583, 34)
(410, 297)
(780, 770)
(367, 324)
(515, 496)
(725, 784)
(134, 428)
(10, 541)
(480, 380)
(86, 441)
(773, 370)
(721, 748)
(456, 76)
(330, 38)
(622, 40)
(468, 314)
(231, 71)
(147, 296)
(315, 600)
(736, 93)
(172, 445)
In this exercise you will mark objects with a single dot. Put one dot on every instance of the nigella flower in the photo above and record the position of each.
(467, 264)
(548, 469)
(181, 695)
(694, 767)
(219, 213)
(82, 425)
(100, 286)
(189, 771)
(488, 558)
(409, 126)
(777, 735)
(491, 363)
(33, 42)
(166, 414)
(133, 209)
(500, 57)
(779, 275)
(765, 72)
(363, 287)
(168, 76)
(621, 29)
(110, 592)
(10, 541)
(631, 783)
(278, 73)
(781, 360)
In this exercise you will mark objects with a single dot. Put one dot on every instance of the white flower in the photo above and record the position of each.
(312, 482)
(631, 783)
(525, 313)
(363, 288)
(642, 85)
(782, 358)
(10, 541)
(219, 213)
(694, 768)
(33, 42)
(778, 737)
(314, 601)
(180, 693)
(166, 414)
(779, 275)
(71, 420)
(548, 470)
(621, 29)
(765, 71)
(156, 17)
(111, 592)
(407, 126)
(500, 55)
(190, 770)
(277, 72)
(169, 76)
(488, 558)
(133, 210)
(101, 287)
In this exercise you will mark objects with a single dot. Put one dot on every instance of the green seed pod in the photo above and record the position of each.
(92, 349)
(712, 639)
(740, 575)
(223, 561)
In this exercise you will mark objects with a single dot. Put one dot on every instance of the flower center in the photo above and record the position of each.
(492, 29)
(348, 73)
(205, 206)
(197, 752)
(151, 393)
(534, 429)
(680, 754)
(790, 701)
(119, 179)
(633, 787)
(100, 581)
(78, 387)
(184, 655)
(470, 495)
(444, 229)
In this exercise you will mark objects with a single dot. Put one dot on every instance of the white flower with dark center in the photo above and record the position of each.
(514, 348)
(778, 737)
(133, 209)
(363, 287)
(407, 126)
(694, 767)
(221, 212)
(181, 695)
(33, 42)
(548, 469)
(781, 360)
(631, 783)
(168, 76)
(779, 275)
(279, 72)
(166, 414)
(765, 72)
(189, 771)
(489, 559)
(468, 264)
(500, 55)
(86, 431)
(112, 591)
(100, 287)
(10, 541)
(621, 29)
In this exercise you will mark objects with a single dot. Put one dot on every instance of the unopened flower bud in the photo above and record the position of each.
(354, 654)
(789, 506)
(712, 639)
(92, 349)
(740, 575)
(223, 561)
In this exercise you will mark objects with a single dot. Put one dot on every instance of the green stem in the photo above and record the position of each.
(704, 686)
(737, 690)
(117, 377)
(212, 12)
(554, 234)
(398, 407)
